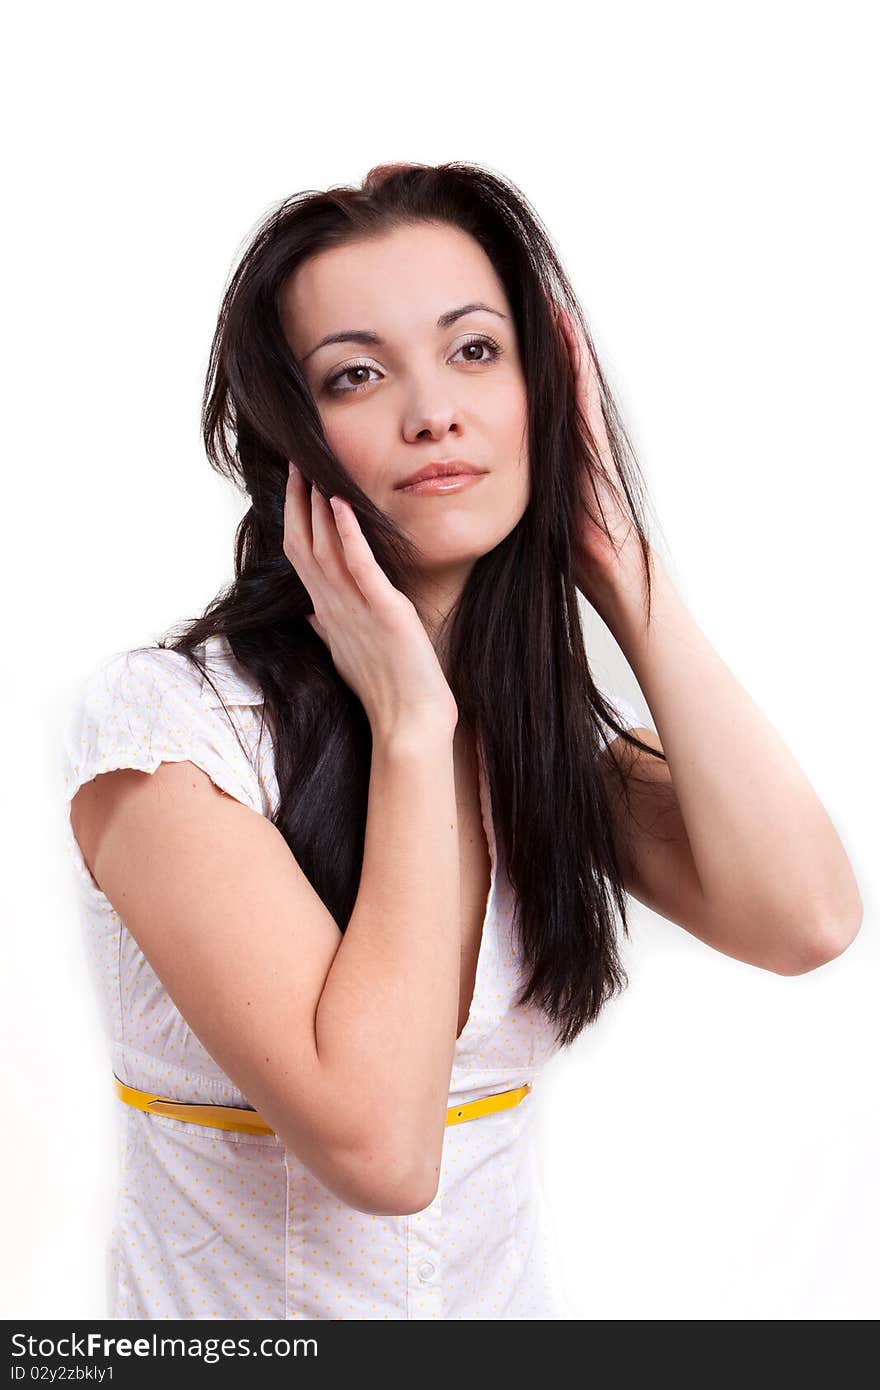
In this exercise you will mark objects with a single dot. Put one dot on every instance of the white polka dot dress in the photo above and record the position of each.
(215, 1223)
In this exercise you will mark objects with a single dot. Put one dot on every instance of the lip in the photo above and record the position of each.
(452, 482)
(438, 468)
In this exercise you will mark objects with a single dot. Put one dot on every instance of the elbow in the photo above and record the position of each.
(368, 1178)
(400, 1175)
(382, 1186)
(408, 1188)
(826, 942)
(402, 1197)
(414, 1199)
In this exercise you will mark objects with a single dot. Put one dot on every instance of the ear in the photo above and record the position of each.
(572, 338)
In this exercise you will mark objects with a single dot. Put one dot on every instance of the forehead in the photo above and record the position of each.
(399, 282)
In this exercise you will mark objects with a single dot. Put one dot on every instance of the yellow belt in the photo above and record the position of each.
(233, 1116)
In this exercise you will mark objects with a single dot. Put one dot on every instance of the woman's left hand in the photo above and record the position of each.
(598, 560)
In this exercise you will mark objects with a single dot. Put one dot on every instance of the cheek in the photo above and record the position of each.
(518, 448)
(516, 419)
(517, 438)
(353, 451)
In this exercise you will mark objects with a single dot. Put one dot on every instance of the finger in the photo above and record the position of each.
(304, 532)
(294, 532)
(327, 544)
(365, 570)
(297, 540)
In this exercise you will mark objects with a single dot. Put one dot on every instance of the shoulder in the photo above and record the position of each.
(143, 678)
(148, 705)
(126, 676)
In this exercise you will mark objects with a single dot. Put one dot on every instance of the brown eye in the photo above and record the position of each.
(332, 387)
(484, 343)
(346, 371)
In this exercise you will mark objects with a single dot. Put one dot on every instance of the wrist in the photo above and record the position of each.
(619, 593)
(413, 736)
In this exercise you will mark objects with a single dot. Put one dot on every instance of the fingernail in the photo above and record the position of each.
(291, 468)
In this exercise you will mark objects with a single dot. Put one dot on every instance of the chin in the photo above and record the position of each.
(455, 557)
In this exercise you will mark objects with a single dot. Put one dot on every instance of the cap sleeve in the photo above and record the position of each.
(143, 708)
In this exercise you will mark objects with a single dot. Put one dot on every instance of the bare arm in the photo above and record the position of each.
(344, 1042)
(728, 838)
(259, 969)
(387, 1016)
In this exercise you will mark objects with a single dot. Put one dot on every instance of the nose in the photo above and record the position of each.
(433, 424)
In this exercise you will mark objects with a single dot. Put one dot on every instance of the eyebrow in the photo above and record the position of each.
(370, 339)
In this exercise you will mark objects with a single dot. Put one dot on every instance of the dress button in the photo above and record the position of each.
(426, 1269)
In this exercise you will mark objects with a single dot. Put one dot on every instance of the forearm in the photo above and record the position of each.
(761, 840)
(387, 1017)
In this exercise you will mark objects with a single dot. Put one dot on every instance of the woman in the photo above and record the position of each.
(371, 883)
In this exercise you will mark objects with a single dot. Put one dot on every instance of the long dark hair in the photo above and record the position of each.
(516, 662)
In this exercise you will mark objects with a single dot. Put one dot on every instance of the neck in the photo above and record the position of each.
(435, 601)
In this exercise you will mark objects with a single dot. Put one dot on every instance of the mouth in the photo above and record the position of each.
(451, 482)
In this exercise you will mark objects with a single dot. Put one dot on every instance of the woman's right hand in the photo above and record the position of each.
(375, 636)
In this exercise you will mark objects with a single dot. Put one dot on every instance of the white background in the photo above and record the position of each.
(708, 175)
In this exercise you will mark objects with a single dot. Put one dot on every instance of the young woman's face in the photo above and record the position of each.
(423, 393)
